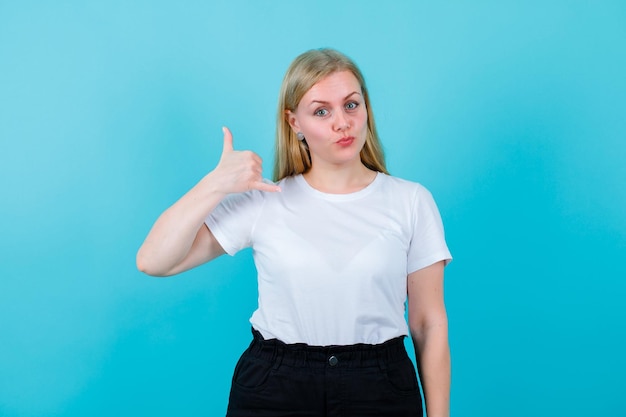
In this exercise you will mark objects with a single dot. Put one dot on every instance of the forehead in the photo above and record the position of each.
(336, 85)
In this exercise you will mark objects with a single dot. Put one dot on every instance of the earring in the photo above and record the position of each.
(300, 136)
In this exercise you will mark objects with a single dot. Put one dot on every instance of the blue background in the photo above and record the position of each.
(511, 112)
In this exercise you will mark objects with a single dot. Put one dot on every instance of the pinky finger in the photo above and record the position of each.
(266, 185)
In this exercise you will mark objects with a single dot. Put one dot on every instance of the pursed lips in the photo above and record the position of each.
(345, 140)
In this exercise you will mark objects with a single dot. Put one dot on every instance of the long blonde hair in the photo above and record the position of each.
(292, 156)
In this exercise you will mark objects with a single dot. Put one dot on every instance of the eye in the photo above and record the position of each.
(352, 105)
(321, 112)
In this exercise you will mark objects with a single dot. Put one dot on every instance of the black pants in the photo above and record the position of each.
(276, 379)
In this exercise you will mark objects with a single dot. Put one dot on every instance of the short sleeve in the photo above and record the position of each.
(428, 243)
(232, 221)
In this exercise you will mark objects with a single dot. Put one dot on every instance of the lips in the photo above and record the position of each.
(347, 141)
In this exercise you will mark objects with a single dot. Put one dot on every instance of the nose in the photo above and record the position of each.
(341, 122)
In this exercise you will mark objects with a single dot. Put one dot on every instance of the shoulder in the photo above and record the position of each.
(289, 181)
(256, 199)
(257, 196)
(404, 186)
(245, 201)
(410, 194)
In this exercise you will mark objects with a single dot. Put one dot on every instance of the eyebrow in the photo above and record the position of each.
(326, 102)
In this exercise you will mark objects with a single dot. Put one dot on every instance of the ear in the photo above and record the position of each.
(292, 120)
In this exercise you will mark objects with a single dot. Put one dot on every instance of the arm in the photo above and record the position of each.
(429, 330)
(179, 239)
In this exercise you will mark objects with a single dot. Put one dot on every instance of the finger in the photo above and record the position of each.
(228, 140)
(265, 186)
(256, 158)
(253, 157)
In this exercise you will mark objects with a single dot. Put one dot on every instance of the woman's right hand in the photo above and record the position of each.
(179, 239)
(239, 171)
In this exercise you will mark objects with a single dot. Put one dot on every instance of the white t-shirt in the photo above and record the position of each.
(332, 268)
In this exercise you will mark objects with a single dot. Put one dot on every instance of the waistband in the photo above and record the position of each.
(341, 356)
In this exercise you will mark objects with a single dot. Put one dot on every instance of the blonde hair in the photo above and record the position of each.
(292, 156)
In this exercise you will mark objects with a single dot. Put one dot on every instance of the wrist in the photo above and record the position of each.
(211, 186)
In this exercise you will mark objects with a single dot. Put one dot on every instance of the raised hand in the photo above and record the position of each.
(178, 240)
(240, 171)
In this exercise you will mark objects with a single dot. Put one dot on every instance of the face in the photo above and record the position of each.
(333, 118)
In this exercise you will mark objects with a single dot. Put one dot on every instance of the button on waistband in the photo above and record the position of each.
(333, 361)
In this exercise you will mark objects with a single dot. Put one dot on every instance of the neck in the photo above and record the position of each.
(340, 180)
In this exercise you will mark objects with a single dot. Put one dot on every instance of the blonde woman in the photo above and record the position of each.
(339, 246)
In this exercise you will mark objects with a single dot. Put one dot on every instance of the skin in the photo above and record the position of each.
(179, 239)
(333, 118)
(332, 110)
(428, 324)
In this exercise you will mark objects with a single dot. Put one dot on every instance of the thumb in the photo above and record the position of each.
(228, 140)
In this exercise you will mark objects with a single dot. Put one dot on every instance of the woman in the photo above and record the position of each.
(339, 246)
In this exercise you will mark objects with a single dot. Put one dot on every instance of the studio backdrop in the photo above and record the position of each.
(511, 113)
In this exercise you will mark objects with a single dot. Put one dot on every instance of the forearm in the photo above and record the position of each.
(433, 355)
(170, 239)
(177, 241)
